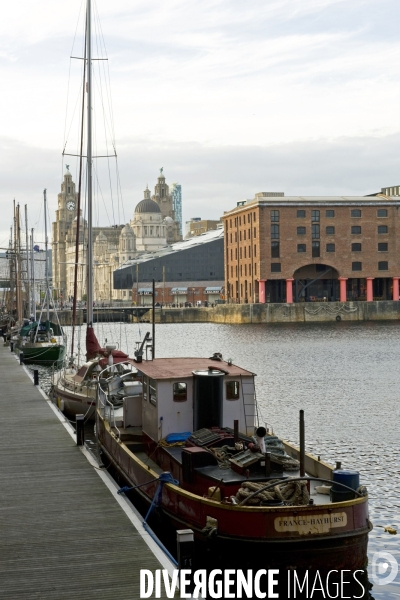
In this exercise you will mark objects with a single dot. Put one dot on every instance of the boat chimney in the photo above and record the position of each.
(261, 432)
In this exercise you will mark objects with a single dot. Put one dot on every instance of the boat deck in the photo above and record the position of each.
(214, 472)
(63, 534)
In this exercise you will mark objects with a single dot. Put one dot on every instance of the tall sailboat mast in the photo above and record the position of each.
(28, 277)
(46, 264)
(89, 169)
(33, 298)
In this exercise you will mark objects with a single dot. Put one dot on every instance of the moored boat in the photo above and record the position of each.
(41, 343)
(74, 389)
(240, 489)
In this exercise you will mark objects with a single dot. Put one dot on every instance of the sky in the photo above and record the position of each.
(231, 98)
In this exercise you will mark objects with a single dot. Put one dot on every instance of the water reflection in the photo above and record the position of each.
(344, 375)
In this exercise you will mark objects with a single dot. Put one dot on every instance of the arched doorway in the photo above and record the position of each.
(316, 283)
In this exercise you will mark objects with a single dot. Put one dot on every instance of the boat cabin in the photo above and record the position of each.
(188, 394)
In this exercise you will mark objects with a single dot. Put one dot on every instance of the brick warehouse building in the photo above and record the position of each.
(296, 249)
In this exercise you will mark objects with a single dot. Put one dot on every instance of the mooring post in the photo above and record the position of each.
(80, 431)
(302, 444)
(21, 357)
(185, 542)
(35, 376)
(11, 346)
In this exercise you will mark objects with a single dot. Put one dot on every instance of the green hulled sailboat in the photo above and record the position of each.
(41, 341)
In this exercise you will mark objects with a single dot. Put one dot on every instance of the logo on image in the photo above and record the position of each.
(384, 568)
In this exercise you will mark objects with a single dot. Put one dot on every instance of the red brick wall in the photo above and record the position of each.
(250, 225)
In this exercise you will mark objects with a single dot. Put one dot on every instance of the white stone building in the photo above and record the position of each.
(152, 226)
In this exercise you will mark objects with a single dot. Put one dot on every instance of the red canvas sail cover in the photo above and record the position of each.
(93, 347)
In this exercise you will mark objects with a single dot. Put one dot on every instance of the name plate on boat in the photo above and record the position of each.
(309, 524)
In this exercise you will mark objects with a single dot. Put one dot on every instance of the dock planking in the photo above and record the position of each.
(63, 535)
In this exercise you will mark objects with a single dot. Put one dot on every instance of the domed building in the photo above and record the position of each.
(147, 225)
(127, 244)
(152, 226)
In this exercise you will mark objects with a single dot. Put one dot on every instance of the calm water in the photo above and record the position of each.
(346, 377)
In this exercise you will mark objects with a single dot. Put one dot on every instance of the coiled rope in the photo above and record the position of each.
(292, 493)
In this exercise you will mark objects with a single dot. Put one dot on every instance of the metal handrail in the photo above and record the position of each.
(108, 403)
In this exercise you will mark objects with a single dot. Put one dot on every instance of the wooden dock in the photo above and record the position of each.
(63, 532)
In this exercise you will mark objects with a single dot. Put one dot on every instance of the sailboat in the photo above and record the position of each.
(74, 388)
(41, 341)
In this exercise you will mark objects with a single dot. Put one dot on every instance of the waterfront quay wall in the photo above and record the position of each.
(304, 312)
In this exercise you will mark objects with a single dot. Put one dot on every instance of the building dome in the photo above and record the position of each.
(101, 237)
(147, 206)
(127, 230)
(168, 220)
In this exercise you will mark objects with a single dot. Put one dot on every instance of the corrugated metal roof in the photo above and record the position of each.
(215, 290)
(197, 240)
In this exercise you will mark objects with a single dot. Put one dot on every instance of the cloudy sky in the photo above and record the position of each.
(230, 97)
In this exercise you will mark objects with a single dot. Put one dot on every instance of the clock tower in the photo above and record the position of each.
(65, 214)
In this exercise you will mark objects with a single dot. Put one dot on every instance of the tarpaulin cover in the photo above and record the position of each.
(93, 347)
(27, 328)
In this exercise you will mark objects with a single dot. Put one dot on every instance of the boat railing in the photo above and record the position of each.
(105, 406)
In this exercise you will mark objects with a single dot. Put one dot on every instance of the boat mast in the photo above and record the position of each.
(12, 272)
(33, 298)
(28, 295)
(46, 265)
(17, 251)
(89, 313)
(77, 241)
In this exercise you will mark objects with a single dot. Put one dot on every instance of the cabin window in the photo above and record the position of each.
(153, 391)
(232, 390)
(145, 389)
(180, 392)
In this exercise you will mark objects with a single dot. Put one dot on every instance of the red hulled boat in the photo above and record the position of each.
(239, 488)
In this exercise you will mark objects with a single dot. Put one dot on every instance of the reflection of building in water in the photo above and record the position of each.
(300, 249)
(152, 226)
